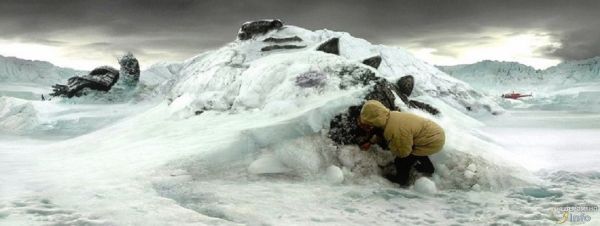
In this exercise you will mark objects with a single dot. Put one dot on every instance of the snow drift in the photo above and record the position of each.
(17, 116)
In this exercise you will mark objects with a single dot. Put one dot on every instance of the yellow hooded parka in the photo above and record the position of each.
(406, 133)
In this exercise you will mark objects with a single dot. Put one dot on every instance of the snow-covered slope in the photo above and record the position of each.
(494, 73)
(241, 76)
(159, 73)
(27, 79)
(17, 70)
(579, 71)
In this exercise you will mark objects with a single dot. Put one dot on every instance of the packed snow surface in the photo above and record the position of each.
(229, 138)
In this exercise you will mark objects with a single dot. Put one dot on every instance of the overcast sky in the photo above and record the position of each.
(84, 34)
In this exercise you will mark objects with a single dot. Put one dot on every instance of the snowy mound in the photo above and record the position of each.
(247, 74)
(51, 119)
(26, 71)
(246, 80)
(17, 116)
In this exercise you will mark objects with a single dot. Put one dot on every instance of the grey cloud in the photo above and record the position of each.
(43, 41)
(579, 44)
(96, 45)
(180, 27)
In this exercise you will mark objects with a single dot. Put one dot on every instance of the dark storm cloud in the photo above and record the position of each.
(184, 27)
(579, 44)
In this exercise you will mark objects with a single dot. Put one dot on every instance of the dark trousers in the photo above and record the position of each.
(403, 166)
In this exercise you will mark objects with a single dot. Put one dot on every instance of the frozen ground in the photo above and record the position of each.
(170, 171)
(122, 179)
(559, 140)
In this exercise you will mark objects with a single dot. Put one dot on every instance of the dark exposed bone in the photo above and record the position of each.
(405, 85)
(373, 61)
(330, 46)
(281, 40)
(275, 47)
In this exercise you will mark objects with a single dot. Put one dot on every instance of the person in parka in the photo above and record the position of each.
(410, 137)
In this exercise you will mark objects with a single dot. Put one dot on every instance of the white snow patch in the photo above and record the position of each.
(267, 163)
(334, 174)
(425, 186)
(17, 116)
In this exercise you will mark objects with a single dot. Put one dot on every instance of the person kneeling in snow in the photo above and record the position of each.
(410, 137)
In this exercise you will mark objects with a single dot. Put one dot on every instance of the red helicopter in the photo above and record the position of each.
(515, 96)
